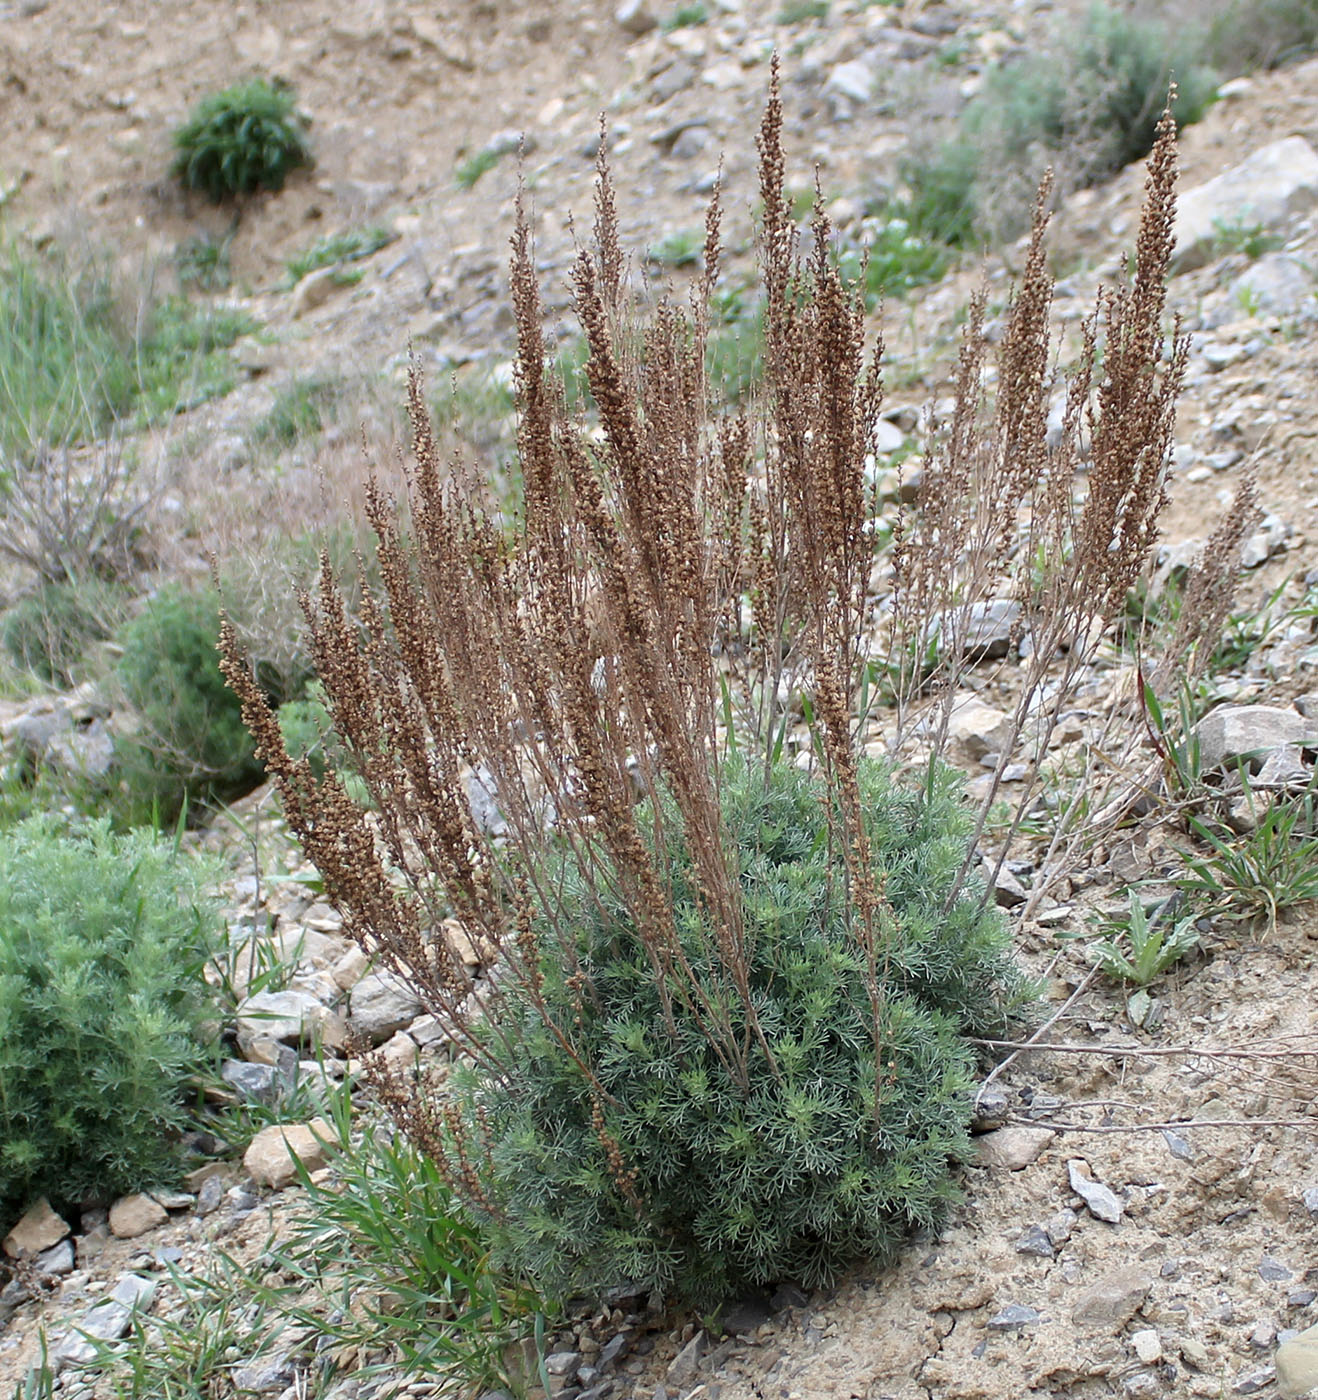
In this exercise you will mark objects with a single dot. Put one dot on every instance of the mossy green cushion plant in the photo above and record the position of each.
(102, 943)
(247, 138)
(828, 1158)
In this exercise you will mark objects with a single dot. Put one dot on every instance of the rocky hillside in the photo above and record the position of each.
(1143, 1218)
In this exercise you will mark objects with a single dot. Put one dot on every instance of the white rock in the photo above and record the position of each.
(1273, 185)
(290, 1016)
(1146, 1345)
(1101, 1200)
(855, 81)
(1240, 731)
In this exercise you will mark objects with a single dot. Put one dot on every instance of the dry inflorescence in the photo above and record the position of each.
(538, 706)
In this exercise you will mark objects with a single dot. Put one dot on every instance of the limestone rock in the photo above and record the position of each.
(1276, 183)
(1253, 731)
(1276, 283)
(269, 1157)
(38, 1230)
(290, 1016)
(1113, 1300)
(1297, 1364)
(107, 1321)
(1010, 1149)
(634, 17)
(131, 1216)
(381, 1004)
(979, 728)
(1101, 1200)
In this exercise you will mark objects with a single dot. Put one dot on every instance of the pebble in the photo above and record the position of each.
(1146, 1345)
(1013, 1316)
(1113, 1300)
(1178, 1146)
(1035, 1241)
(1101, 1200)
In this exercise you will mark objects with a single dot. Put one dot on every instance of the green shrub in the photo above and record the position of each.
(1262, 34)
(1089, 105)
(191, 745)
(247, 138)
(815, 1166)
(48, 632)
(102, 942)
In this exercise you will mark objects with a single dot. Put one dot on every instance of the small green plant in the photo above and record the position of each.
(338, 250)
(247, 138)
(820, 1162)
(74, 360)
(385, 1263)
(1252, 878)
(799, 11)
(687, 16)
(681, 248)
(1139, 947)
(896, 260)
(476, 165)
(300, 411)
(190, 745)
(102, 943)
(202, 261)
(1243, 235)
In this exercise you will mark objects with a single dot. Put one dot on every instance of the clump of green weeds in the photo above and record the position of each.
(247, 138)
(1139, 947)
(479, 163)
(687, 16)
(202, 261)
(1252, 878)
(338, 250)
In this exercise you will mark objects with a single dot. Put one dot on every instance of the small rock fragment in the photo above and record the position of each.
(1146, 1345)
(1012, 1148)
(131, 1216)
(683, 1368)
(1113, 1300)
(1101, 1200)
(38, 1230)
(1013, 1316)
(1178, 1146)
(1035, 1241)
(1273, 1270)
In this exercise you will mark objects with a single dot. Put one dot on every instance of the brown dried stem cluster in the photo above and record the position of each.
(677, 580)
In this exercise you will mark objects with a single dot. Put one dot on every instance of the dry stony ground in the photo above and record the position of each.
(1028, 1291)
